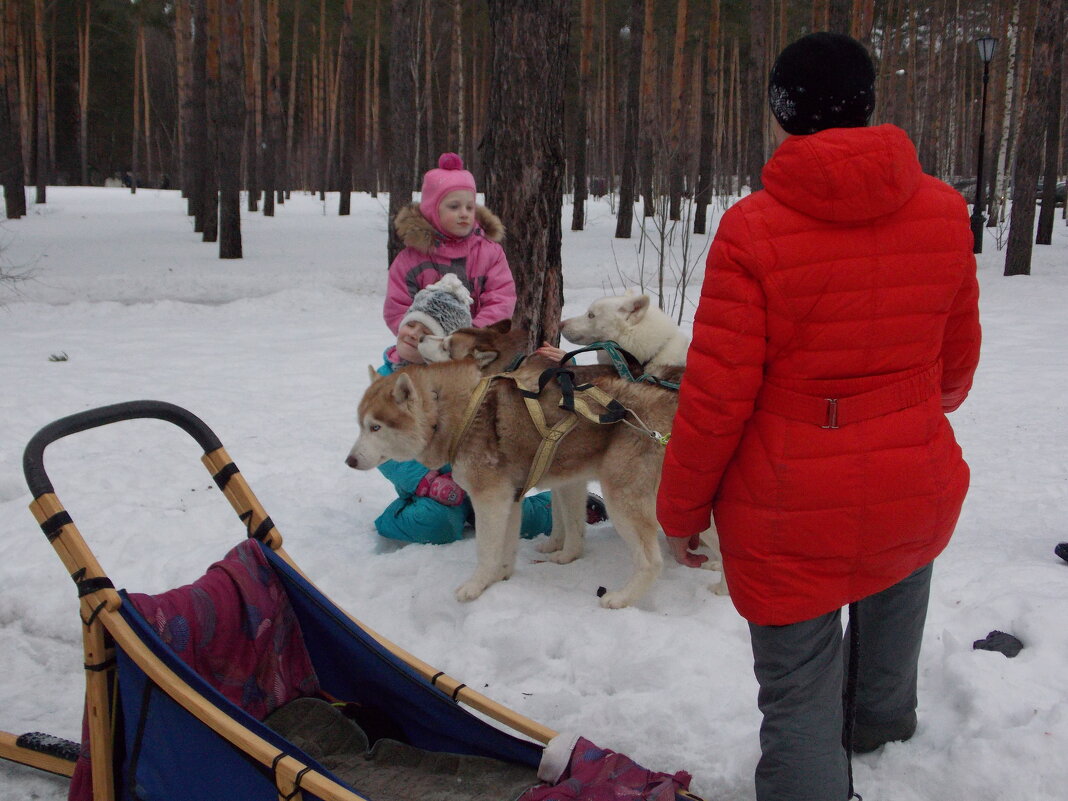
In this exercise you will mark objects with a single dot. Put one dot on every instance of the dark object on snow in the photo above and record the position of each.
(868, 737)
(999, 641)
(595, 509)
(1062, 550)
(601, 591)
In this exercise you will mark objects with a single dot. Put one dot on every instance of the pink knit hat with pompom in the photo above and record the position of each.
(448, 177)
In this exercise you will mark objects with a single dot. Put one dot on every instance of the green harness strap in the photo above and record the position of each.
(619, 361)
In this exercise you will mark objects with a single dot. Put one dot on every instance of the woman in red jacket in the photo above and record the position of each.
(838, 323)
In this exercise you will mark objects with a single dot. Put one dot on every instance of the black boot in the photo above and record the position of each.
(595, 509)
(868, 737)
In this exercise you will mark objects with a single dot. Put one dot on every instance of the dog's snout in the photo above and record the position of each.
(352, 462)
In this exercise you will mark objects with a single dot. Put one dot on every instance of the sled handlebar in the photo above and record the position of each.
(33, 456)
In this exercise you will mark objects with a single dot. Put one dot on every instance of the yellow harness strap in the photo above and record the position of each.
(550, 435)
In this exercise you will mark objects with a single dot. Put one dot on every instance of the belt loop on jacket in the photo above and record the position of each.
(832, 413)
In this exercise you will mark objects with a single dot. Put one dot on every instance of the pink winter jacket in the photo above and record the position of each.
(477, 260)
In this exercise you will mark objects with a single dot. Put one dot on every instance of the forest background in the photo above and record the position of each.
(240, 102)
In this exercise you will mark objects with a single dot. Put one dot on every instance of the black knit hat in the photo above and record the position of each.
(823, 80)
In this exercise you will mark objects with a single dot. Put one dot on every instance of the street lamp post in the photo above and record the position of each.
(986, 53)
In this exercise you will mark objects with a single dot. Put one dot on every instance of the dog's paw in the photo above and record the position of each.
(720, 588)
(469, 590)
(711, 564)
(550, 545)
(563, 557)
(615, 600)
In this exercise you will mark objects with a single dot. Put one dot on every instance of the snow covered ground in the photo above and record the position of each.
(272, 352)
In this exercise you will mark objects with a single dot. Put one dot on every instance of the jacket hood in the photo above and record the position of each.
(416, 231)
(845, 174)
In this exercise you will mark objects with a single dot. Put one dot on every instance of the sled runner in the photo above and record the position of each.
(251, 684)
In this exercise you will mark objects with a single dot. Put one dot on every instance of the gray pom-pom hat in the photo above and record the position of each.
(442, 306)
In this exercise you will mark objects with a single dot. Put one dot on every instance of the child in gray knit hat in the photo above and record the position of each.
(431, 507)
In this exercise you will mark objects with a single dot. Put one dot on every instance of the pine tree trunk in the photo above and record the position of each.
(1029, 148)
(347, 102)
(1044, 235)
(210, 167)
(84, 26)
(42, 99)
(197, 146)
(147, 108)
(253, 101)
(628, 179)
(403, 128)
(135, 163)
(12, 173)
(709, 121)
(524, 151)
(285, 176)
(678, 89)
(456, 79)
(270, 173)
(184, 50)
(582, 114)
(756, 91)
(648, 109)
(231, 116)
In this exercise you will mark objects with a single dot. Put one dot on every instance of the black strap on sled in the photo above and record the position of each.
(53, 525)
(621, 362)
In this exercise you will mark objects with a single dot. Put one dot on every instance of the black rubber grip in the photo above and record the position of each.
(33, 456)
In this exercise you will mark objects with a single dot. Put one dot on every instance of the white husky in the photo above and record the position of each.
(636, 326)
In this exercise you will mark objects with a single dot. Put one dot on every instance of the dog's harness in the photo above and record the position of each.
(575, 400)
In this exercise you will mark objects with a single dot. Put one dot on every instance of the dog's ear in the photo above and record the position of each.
(634, 307)
(374, 373)
(501, 326)
(484, 357)
(403, 390)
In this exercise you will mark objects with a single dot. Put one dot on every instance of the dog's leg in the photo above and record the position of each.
(710, 539)
(569, 523)
(634, 517)
(494, 513)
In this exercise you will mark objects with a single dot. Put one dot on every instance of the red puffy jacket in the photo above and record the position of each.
(838, 322)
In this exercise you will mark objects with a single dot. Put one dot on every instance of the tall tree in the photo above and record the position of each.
(85, 14)
(231, 117)
(347, 102)
(403, 128)
(1044, 67)
(210, 167)
(678, 90)
(456, 79)
(582, 115)
(12, 168)
(41, 73)
(524, 151)
(138, 77)
(252, 19)
(270, 173)
(183, 46)
(756, 91)
(1044, 236)
(197, 145)
(628, 177)
(710, 122)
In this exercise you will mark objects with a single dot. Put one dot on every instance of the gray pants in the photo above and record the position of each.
(801, 667)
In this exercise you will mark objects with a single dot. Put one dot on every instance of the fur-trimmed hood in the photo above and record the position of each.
(416, 231)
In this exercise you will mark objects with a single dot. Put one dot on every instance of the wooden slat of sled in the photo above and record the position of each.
(10, 749)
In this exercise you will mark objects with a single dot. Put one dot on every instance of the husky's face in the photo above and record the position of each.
(484, 345)
(606, 319)
(392, 423)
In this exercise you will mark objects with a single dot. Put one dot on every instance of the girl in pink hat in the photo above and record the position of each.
(447, 232)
